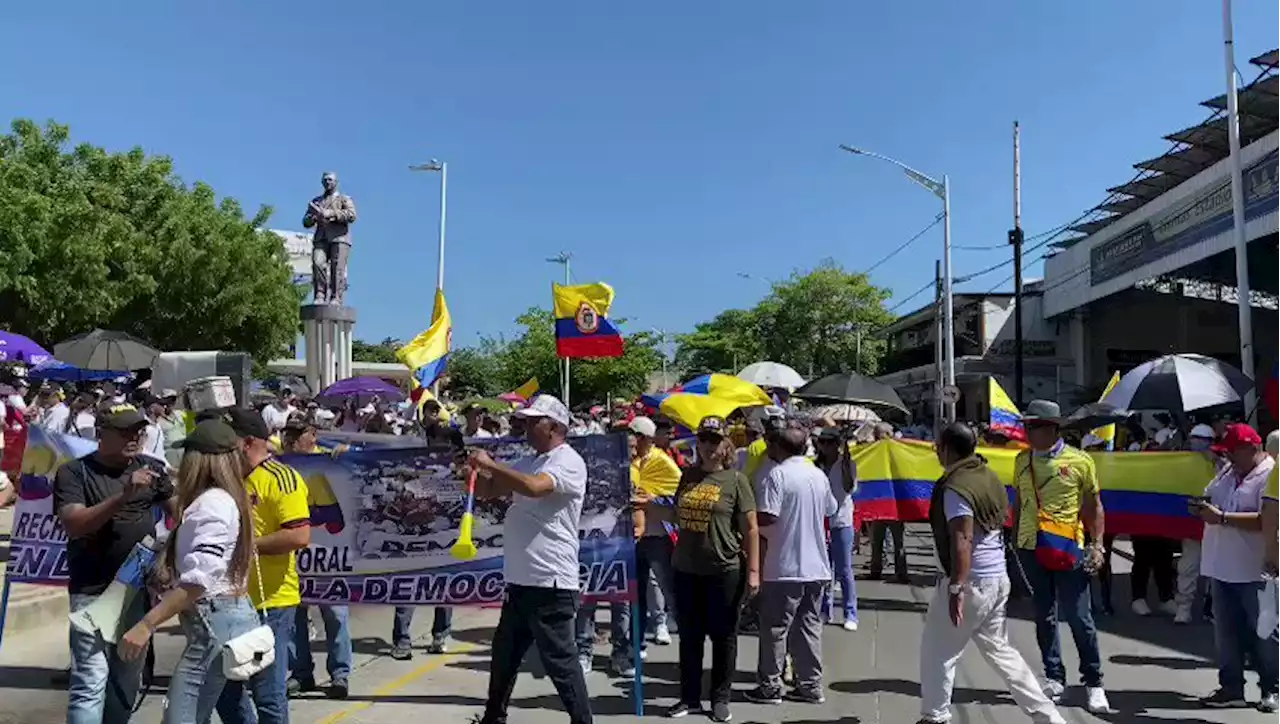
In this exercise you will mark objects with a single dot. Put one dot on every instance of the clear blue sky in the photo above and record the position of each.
(667, 145)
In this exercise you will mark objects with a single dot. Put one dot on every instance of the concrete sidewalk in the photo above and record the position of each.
(1154, 671)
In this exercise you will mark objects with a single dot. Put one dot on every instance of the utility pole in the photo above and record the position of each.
(937, 349)
(563, 258)
(1015, 238)
(1244, 309)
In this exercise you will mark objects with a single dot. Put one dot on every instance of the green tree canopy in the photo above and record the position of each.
(384, 351)
(90, 238)
(815, 321)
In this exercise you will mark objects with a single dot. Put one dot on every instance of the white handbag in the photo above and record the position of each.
(253, 651)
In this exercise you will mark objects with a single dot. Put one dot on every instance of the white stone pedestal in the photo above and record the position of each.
(326, 331)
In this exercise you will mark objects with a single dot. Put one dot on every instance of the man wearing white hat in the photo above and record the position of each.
(540, 565)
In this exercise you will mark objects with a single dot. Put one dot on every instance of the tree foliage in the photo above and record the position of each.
(384, 351)
(500, 365)
(90, 238)
(812, 321)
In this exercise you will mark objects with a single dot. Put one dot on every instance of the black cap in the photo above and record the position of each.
(829, 433)
(247, 423)
(212, 437)
(120, 417)
(712, 425)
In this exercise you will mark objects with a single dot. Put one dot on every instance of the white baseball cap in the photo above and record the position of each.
(545, 406)
(643, 426)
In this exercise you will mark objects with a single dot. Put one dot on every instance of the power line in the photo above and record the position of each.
(929, 285)
(936, 220)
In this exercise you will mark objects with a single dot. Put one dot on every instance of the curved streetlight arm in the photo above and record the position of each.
(936, 187)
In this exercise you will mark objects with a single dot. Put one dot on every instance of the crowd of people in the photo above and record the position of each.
(748, 531)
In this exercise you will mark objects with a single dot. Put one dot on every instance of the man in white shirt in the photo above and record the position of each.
(1231, 557)
(474, 414)
(54, 413)
(540, 565)
(153, 440)
(276, 415)
(793, 502)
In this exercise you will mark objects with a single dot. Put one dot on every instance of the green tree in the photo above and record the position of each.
(91, 239)
(816, 322)
(476, 371)
(384, 351)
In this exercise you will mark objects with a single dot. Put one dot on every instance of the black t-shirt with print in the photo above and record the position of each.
(94, 559)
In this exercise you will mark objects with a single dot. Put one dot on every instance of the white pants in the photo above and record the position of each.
(983, 623)
(1185, 595)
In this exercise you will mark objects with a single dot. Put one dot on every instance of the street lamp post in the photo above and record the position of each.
(941, 189)
(443, 169)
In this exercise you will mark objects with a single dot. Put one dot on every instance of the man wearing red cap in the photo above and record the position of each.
(1232, 559)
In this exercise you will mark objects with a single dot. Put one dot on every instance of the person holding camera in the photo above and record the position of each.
(105, 501)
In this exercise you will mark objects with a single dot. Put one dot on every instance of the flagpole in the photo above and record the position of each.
(563, 259)
(441, 167)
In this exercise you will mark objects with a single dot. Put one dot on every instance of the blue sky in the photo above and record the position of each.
(668, 146)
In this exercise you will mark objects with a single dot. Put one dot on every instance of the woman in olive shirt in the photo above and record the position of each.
(716, 564)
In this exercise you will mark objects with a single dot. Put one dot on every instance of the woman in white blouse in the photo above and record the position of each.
(207, 562)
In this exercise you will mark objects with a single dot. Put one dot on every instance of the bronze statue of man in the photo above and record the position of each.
(332, 214)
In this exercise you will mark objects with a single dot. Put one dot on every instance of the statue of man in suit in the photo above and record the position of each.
(331, 214)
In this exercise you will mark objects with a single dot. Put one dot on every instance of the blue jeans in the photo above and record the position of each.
(441, 624)
(337, 641)
(198, 679)
(654, 572)
(841, 549)
(1235, 623)
(263, 698)
(102, 687)
(619, 629)
(1063, 594)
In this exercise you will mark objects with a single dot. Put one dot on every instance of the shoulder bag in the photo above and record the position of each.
(252, 651)
(1057, 548)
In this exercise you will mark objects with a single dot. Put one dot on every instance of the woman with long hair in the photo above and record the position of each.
(206, 562)
(717, 564)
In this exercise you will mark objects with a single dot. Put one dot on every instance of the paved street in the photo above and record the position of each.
(1153, 671)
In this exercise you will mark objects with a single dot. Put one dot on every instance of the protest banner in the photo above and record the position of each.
(383, 523)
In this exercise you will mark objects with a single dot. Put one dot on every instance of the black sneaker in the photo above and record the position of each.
(338, 689)
(299, 686)
(682, 709)
(761, 695)
(806, 696)
(720, 712)
(401, 652)
(1223, 699)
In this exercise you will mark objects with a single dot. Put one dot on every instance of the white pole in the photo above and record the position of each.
(566, 359)
(948, 311)
(444, 191)
(1243, 309)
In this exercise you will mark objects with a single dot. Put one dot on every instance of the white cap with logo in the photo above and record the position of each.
(545, 406)
(643, 426)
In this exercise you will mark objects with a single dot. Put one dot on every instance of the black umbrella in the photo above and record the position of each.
(850, 387)
(1180, 383)
(103, 349)
(1095, 415)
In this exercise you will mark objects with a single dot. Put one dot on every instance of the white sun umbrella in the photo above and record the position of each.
(771, 374)
(844, 412)
(1179, 383)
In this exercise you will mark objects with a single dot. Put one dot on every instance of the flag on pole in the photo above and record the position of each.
(1107, 433)
(1005, 418)
(428, 353)
(583, 328)
(521, 394)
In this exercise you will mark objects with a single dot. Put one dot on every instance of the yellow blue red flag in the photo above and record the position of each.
(1005, 417)
(583, 328)
(1107, 433)
(428, 353)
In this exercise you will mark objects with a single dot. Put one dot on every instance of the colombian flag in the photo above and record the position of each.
(428, 354)
(522, 394)
(583, 328)
(1107, 433)
(1005, 418)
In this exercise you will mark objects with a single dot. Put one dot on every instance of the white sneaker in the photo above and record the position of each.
(585, 663)
(1141, 607)
(850, 625)
(662, 635)
(1098, 703)
(1182, 617)
(1053, 689)
(1168, 608)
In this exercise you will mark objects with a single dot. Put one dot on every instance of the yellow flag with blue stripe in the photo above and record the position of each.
(1107, 433)
(428, 353)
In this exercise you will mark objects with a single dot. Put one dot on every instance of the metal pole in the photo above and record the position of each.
(566, 359)
(1017, 267)
(937, 348)
(949, 312)
(444, 192)
(1243, 308)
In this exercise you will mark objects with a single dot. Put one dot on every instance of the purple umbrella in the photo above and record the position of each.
(360, 388)
(16, 348)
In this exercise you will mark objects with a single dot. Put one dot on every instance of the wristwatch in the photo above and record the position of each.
(955, 589)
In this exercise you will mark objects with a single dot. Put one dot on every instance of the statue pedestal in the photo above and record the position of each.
(326, 330)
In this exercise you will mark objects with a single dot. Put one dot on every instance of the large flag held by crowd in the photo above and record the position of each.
(583, 328)
(428, 353)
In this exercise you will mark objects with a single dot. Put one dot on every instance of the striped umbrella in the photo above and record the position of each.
(1179, 383)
